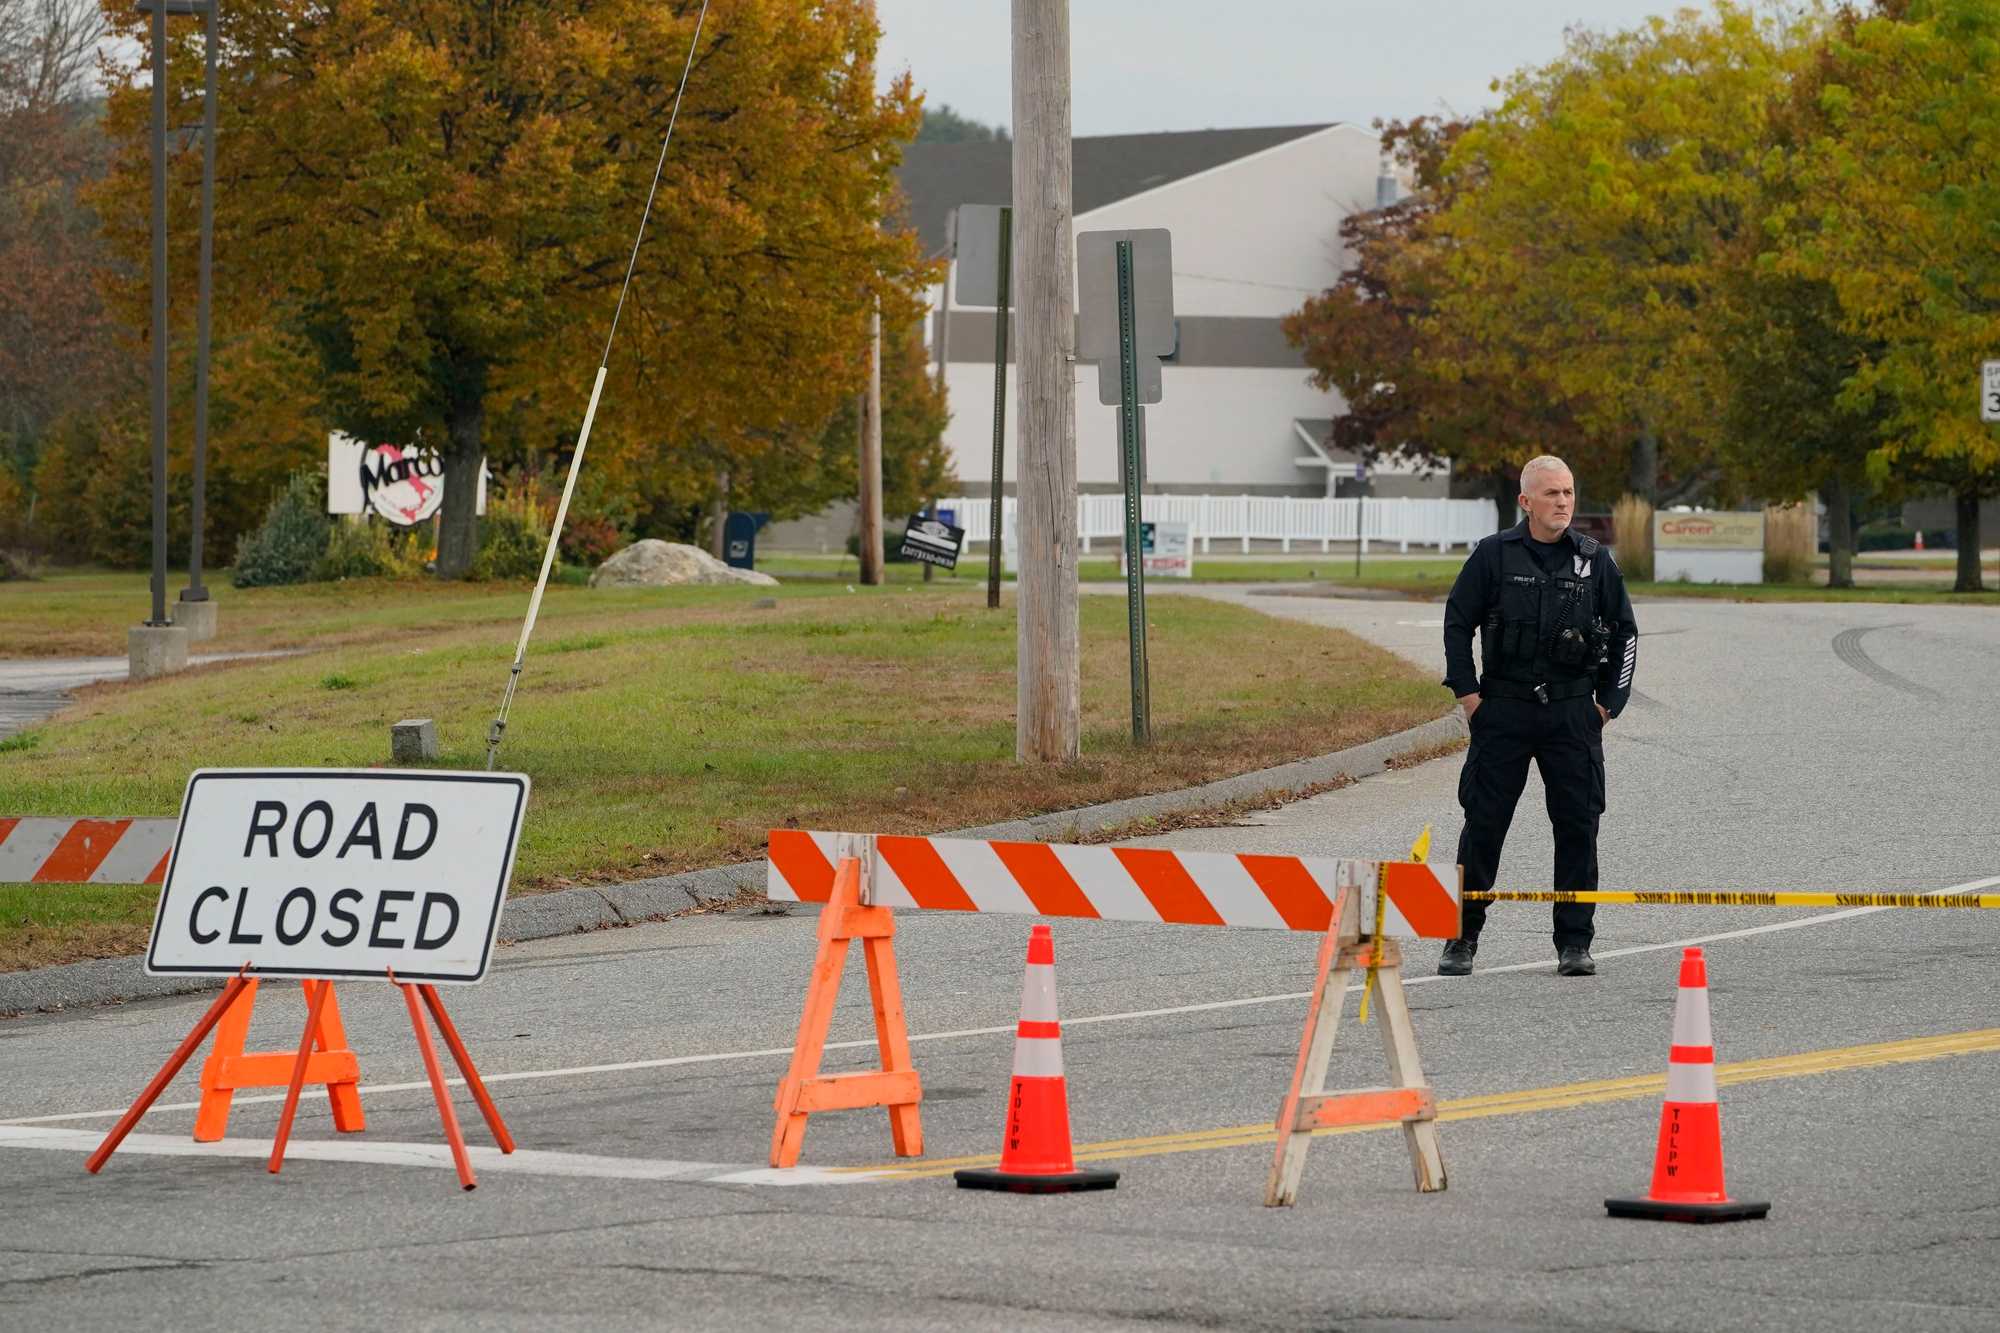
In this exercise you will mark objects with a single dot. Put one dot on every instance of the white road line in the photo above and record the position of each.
(1127, 1016)
(485, 1160)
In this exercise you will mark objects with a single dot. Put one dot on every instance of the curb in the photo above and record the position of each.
(571, 911)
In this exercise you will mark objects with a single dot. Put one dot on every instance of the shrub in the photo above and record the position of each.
(1632, 526)
(367, 550)
(1791, 540)
(288, 544)
(512, 537)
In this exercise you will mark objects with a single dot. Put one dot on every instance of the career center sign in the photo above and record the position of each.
(1715, 531)
(338, 873)
(404, 483)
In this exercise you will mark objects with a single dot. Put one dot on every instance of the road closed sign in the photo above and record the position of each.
(338, 873)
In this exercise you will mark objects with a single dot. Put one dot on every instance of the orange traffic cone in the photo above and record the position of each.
(1920, 539)
(1035, 1156)
(1687, 1167)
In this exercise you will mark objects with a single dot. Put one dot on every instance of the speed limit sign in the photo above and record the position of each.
(1989, 392)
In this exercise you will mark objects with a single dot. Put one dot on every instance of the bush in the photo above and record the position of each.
(512, 537)
(367, 550)
(1790, 539)
(1632, 525)
(288, 545)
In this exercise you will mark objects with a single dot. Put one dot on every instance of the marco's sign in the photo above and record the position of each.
(404, 483)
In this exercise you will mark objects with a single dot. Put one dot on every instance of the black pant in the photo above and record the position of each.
(1566, 740)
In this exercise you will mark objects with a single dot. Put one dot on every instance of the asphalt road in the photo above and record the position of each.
(1802, 746)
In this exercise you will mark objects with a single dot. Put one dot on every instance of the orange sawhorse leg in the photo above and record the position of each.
(320, 994)
(465, 1066)
(229, 1068)
(895, 1086)
(459, 1157)
(236, 986)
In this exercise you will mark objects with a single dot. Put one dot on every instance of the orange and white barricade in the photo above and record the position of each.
(84, 851)
(1334, 896)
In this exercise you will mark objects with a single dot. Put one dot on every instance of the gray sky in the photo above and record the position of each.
(1139, 65)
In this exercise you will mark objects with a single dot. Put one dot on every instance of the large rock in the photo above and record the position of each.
(656, 564)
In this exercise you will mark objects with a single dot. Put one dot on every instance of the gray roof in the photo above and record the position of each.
(938, 177)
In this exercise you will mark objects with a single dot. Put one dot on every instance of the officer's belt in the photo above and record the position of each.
(1541, 694)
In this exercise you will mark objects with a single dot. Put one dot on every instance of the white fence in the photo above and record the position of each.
(1284, 519)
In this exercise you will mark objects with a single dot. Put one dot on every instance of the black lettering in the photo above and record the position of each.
(338, 911)
(431, 900)
(403, 851)
(383, 917)
(372, 840)
(312, 909)
(194, 930)
(325, 829)
(236, 935)
(258, 826)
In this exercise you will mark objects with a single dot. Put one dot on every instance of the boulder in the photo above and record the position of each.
(656, 564)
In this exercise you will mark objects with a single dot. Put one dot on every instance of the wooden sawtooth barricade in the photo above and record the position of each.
(1357, 907)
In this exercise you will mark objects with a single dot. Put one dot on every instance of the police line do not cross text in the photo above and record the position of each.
(338, 873)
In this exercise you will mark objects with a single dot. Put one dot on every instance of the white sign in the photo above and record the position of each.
(1165, 549)
(404, 483)
(1989, 391)
(338, 873)
(976, 243)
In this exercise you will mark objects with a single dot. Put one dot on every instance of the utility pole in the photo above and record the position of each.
(1048, 681)
(871, 455)
(871, 435)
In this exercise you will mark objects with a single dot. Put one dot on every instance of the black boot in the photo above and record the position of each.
(1457, 960)
(1573, 960)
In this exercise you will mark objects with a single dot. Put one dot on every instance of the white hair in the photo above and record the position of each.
(1543, 463)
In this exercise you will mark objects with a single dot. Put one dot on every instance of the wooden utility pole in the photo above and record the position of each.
(871, 455)
(1048, 676)
(871, 432)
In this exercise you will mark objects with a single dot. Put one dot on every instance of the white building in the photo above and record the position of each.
(1255, 216)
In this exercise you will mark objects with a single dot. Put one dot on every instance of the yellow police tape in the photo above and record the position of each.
(1748, 899)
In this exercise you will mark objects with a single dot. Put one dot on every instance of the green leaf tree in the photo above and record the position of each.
(1588, 232)
(1898, 196)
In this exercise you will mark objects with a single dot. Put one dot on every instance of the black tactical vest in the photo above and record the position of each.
(1544, 627)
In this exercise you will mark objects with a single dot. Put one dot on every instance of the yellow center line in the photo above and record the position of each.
(1563, 1096)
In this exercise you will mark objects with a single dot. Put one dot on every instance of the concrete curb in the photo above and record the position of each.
(569, 911)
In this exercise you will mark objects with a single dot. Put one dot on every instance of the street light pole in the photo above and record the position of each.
(159, 385)
(195, 592)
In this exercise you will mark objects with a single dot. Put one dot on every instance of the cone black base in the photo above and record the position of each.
(1654, 1210)
(1013, 1182)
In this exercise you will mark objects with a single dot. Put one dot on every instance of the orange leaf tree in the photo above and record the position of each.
(440, 197)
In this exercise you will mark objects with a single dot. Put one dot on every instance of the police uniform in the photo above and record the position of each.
(1556, 637)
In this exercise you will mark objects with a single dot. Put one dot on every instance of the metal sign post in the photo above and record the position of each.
(1128, 432)
(1002, 277)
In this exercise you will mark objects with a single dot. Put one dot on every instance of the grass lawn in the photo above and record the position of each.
(1424, 578)
(668, 729)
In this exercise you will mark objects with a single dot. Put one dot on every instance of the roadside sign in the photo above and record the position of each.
(1989, 392)
(1155, 334)
(1166, 549)
(404, 483)
(933, 541)
(338, 873)
(977, 280)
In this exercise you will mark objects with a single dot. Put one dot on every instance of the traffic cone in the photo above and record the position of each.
(1920, 539)
(1687, 1166)
(1035, 1155)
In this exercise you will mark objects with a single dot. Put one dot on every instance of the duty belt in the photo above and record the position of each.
(1546, 693)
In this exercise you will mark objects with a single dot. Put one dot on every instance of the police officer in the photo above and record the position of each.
(1557, 647)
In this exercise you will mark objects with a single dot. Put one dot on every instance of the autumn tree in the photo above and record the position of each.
(439, 198)
(1608, 184)
(1407, 386)
(56, 348)
(1899, 190)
